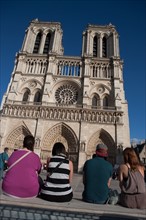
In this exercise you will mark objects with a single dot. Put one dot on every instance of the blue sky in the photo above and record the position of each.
(129, 18)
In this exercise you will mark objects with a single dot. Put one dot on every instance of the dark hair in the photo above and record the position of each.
(28, 142)
(6, 149)
(58, 149)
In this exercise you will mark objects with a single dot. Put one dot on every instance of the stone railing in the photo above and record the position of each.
(68, 66)
(64, 113)
(36, 65)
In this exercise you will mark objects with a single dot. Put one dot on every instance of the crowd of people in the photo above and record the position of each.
(22, 177)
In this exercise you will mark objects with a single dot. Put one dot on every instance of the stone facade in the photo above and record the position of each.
(78, 101)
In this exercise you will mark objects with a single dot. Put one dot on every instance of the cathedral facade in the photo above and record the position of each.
(79, 101)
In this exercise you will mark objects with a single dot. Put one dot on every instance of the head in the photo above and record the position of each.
(101, 150)
(58, 149)
(6, 149)
(131, 157)
(28, 142)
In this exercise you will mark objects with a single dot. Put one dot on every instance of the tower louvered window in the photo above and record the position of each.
(37, 43)
(47, 44)
(95, 46)
(104, 47)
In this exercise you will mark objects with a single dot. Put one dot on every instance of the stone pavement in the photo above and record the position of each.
(37, 209)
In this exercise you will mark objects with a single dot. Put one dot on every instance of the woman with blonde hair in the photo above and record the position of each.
(131, 180)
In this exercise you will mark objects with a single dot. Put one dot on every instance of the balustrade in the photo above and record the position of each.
(64, 113)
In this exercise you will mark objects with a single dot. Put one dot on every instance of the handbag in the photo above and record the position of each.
(113, 197)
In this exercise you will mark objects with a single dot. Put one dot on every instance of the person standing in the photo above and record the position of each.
(131, 181)
(57, 187)
(21, 179)
(97, 175)
(3, 161)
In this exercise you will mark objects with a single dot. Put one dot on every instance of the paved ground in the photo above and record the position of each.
(37, 209)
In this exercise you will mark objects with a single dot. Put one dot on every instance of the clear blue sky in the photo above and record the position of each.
(129, 17)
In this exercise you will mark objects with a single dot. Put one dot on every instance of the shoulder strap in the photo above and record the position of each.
(18, 160)
(56, 167)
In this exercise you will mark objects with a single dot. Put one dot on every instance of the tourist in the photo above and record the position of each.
(97, 175)
(132, 184)
(21, 179)
(57, 187)
(3, 162)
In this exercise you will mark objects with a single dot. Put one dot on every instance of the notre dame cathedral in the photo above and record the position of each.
(77, 100)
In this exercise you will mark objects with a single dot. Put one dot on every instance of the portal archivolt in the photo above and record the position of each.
(64, 134)
(102, 136)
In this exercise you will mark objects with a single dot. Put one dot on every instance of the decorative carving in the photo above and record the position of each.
(32, 84)
(101, 89)
(66, 94)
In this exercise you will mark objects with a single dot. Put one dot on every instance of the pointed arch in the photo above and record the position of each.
(37, 97)
(63, 133)
(95, 101)
(105, 101)
(16, 136)
(95, 45)
(102, 136)
(47, 44)
(104, 47)
(26, 95)
(37, 43)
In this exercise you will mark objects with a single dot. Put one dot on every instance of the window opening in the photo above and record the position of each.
(37, 43)
(95, 46)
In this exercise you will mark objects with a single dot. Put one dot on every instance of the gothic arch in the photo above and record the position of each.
(102, 136)
(31, 84)
(63, 133)
(15, 137)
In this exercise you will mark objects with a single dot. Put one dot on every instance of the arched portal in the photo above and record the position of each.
(15, 138)
(102, 136)
(64, 134)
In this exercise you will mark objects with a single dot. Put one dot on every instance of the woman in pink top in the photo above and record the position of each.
(21, 180)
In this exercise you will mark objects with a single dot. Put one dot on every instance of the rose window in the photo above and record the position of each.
(66, 94)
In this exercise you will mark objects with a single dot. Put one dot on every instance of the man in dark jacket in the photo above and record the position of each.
(97, 174)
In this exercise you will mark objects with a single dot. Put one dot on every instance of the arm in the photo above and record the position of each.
(141, 170)
(47, 163)
(122, 173)
(109, 182)
(71, 171)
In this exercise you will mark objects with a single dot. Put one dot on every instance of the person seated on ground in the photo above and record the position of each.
(3, 162)
(131, 181)
(97, 175)
(57, 187)
(21, 179)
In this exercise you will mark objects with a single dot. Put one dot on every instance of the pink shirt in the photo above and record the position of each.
(22, 179)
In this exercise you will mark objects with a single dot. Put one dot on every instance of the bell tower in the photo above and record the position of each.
(100, 42)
